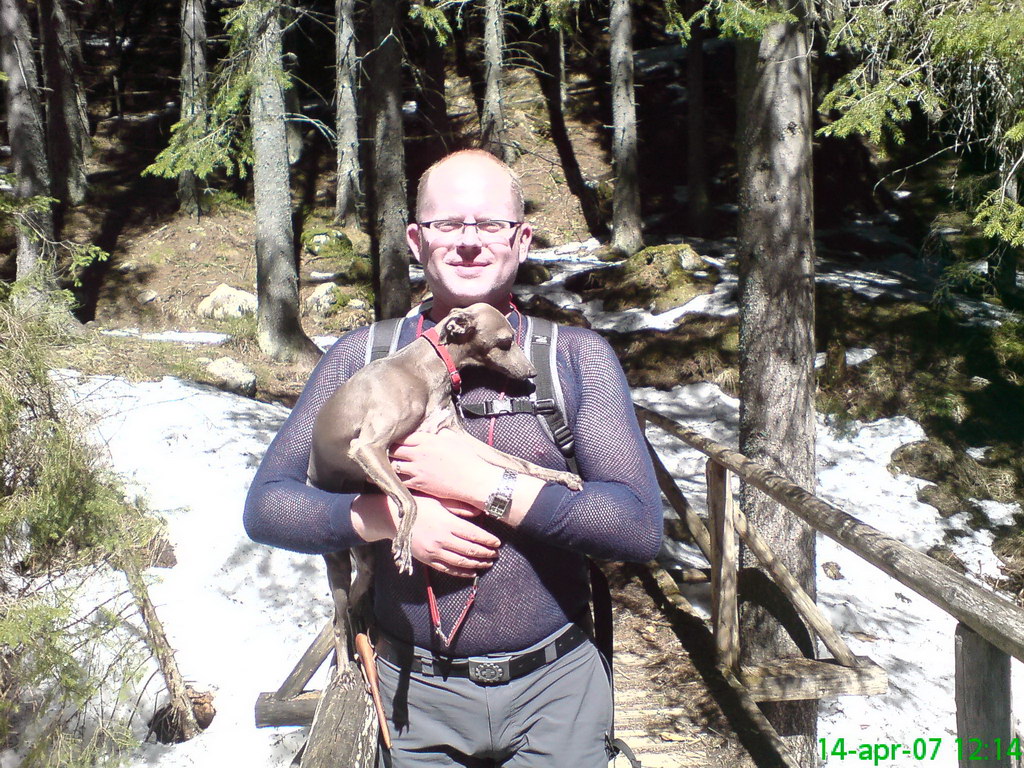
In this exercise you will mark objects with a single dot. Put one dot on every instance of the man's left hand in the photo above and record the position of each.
(446, 464)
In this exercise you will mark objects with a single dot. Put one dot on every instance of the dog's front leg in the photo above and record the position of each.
(374, 461)
(501, 459)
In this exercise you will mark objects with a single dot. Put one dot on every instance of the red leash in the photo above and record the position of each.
(435, 615)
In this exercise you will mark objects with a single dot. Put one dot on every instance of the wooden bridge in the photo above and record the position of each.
(990, 628)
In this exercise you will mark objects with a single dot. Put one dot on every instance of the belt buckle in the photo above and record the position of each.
(489, 671)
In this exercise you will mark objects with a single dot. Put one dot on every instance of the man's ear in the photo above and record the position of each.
(458, 327)
(413, 236)
(525, 239)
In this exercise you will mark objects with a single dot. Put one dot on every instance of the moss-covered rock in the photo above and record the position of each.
(532, 273)
(658, 278)
(327, 242)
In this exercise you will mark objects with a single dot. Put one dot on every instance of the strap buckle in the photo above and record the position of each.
(499, 407)
(485, 670)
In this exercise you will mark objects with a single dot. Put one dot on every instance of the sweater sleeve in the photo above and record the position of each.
(281, 509)
(618, 514)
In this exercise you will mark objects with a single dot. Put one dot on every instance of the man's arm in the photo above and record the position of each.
(282, 510)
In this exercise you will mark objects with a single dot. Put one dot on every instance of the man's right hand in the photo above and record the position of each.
(443, 536)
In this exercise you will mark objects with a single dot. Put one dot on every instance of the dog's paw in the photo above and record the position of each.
(402, 552)
(571, 481)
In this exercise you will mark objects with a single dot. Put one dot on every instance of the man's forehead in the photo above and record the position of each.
(468, 173)
(467, 182)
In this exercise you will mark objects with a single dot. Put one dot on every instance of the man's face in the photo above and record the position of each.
(466, 266)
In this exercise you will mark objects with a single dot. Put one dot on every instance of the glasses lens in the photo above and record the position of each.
(447, 225)
(492, 227)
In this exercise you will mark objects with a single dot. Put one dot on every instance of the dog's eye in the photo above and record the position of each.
(505, 343)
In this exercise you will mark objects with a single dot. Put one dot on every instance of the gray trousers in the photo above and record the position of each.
(558, 715)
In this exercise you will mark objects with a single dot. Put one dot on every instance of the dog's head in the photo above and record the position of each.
(480, 335)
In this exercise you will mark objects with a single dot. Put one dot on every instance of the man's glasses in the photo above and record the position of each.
(488, 229)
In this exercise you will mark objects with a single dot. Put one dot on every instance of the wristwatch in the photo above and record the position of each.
(500, 500)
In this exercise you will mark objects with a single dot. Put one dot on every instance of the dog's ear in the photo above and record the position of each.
(458, 327)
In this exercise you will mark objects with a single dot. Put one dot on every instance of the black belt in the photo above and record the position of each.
(491, 669)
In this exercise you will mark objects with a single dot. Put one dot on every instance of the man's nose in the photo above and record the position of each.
(469, 236)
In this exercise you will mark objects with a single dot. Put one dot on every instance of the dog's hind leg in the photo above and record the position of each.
(374, 461)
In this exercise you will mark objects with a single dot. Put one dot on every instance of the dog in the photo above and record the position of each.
(410, 390)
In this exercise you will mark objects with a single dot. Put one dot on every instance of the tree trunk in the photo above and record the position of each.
(493, 136)
(279, 331)
(550, 78)
(178, 722)
(193, 90)
(67, 122)
(776, 252)
(627, 225)
(28, 147)
(390, 209)
(696, 145)
(349, 191)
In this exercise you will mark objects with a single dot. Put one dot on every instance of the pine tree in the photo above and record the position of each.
(627, 225)
(27, 132)
(279, 331)
(67, 122)
(390, 209)
(193, 91)
(493, 134)
(348, 195)
(776, 254)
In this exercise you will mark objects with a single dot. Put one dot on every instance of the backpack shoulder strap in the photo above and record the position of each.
(541, 347)
(384, 334)
(383, 338)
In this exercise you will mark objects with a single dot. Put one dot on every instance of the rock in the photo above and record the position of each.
(657, 279)
(608, 253)
(356, 304)
(832, 570)
(127, 267)
(946, 556)
(542, 307)
(226, 302)
(230, 375)
(147, 296)
(323, 300)
(926, 459)
(327, 242)
(944, 501)
(532, 273)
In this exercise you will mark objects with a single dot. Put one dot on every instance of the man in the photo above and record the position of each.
(515, 587)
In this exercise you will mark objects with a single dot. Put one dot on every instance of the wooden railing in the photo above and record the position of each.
(990, 629)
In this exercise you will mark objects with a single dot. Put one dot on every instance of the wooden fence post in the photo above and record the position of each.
(724, 566)
(982, 701)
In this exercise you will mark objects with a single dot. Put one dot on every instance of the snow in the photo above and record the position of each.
(240, 615)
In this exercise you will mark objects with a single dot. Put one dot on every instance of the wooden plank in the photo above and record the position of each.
(757, 717)
(310, 662)
(679, 503)
(669, 588)
(991, 615)
(272, 711)
(800, 599)
(344, 730)
(798, 679)
(982, 699)
(724, 567)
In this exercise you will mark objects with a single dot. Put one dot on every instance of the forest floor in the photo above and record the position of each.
(162, 265)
